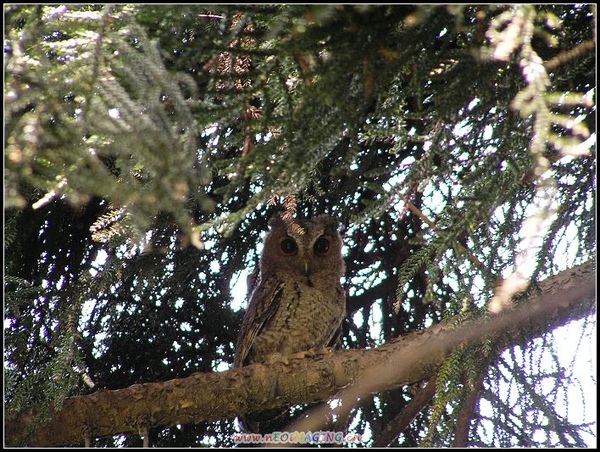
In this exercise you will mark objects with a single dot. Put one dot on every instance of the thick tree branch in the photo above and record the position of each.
(209, 397)
(567, 296)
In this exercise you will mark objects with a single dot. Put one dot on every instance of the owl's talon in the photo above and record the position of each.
(325, 351)
(303, 354)
(278, 358)
(312, 352)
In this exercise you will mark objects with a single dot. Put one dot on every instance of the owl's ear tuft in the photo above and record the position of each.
(330, 223)
(276, 220)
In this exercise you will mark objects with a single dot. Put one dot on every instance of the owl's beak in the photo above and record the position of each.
(306, 268)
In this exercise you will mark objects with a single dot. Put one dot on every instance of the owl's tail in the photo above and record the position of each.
(264, 422)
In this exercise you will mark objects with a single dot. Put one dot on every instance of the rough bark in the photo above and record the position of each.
(347, 374)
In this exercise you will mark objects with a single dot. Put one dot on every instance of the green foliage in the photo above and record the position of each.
(146, 147)
(94, 112)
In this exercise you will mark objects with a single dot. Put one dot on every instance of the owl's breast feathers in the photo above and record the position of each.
(289, 315)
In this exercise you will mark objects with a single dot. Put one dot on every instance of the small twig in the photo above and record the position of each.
(466, 414)
(568, 55)
(414, 209)
(87, 436)
(406, 415)
(145, 436)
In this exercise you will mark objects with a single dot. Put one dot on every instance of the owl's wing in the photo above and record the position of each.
(336, 330)
(264, 302)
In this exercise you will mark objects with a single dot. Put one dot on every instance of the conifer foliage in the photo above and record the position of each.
(146, 147)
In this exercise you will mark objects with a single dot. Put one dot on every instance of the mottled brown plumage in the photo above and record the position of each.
(298, 302)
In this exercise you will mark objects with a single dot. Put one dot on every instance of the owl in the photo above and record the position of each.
(297, 302)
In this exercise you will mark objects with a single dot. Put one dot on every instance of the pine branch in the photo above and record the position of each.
(212, 396)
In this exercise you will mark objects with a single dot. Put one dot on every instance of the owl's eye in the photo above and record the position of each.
(321, 245)
(288, 246)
